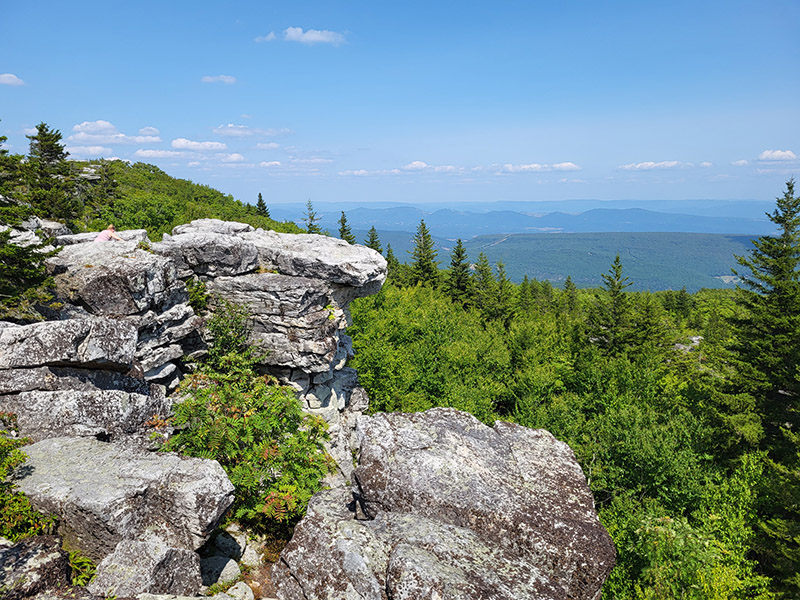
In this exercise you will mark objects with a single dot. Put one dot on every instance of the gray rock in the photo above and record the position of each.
(241, 591)
(205, 252)
(219, 569)
(453, 508)
(116, 278)
(92, 343)
(130, 235)
(104, 493)
(33, 566)
(152, 567)
(318, 257)
(68, 378)
(250, 558)
(294, 318)
(212, 226)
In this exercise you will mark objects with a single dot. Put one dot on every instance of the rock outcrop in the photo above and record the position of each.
(444, 506)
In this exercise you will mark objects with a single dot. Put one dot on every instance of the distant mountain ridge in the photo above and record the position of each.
(718, 216)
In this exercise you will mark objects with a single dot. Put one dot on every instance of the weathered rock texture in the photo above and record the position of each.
(443, 506)
(105, 493)
(33, 566)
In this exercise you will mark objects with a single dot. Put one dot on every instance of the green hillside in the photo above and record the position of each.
(653, 261)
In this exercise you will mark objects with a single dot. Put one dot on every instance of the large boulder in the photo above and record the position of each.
(116, 278)
(91, 343)
(443, 504)
(104, 493)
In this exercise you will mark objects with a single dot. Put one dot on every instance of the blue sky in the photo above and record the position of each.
(418, 101)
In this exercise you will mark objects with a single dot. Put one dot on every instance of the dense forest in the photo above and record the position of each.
(681, 408)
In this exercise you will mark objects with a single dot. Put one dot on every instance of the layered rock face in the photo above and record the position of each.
(443, 506)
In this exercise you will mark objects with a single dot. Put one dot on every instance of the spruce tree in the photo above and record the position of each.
(484, 289)
(459, 277)
(311, 219)
(11, 211)
(504, 300)
(393, 267)
(372, 240)
(344, 230)
(48, 176)
(261, 207)
(570, 295)
(424, 267)
(768, 368)
(609, 318)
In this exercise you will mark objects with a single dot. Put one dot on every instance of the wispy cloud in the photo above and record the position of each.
(89, 150)
(104, 132)
(536, 167)
(705, 164)
(740, 163)
(777, 155)
(650, 165)
(312, 36)
(271, 163)
(268, 146)
(141, 153)
(184, 144)
(232, 158)
(266, 38)
(226, 79)
(10, 79)
(233, 130)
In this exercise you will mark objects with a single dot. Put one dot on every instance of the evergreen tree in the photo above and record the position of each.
(504, 300)
(484, 288)
(459, 277)
(372, 241)
(768, 350)
(24, 281)
(11, 211)
(424, 267)
(311, 219)
(51, 187)
(261, 207)
(524, 297)
(570, 295)
(344, 230)
(609, 319)
(396, 272)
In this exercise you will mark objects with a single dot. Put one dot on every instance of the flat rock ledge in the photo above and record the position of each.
(443, 506)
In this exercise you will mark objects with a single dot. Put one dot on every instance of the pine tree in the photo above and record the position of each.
(424, 267)
(261, 207)
(459, 278)
(393, 267)
(311, 219)
(372, 241)
(484, 288)
(504, 301)
(344, 230)
(11, 211)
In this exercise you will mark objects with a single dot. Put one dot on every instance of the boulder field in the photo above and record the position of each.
(428, 505)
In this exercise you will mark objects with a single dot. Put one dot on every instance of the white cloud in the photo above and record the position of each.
(268, 146)
(650, 165)
(777, 155)
(233, 130)
(194, 163)
(705, 164)
(232, 158)
(272, 163)
(89, 150)
(184, 144)
(740, 163)
(310, 161)
(312, 36)
(266, 38)
(10, 79)
(149, 131)
(156, 153)
(226, 79)
(536, 167)
(104, 132)
(416, 165)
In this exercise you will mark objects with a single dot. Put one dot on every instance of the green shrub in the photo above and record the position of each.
(272, 452)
